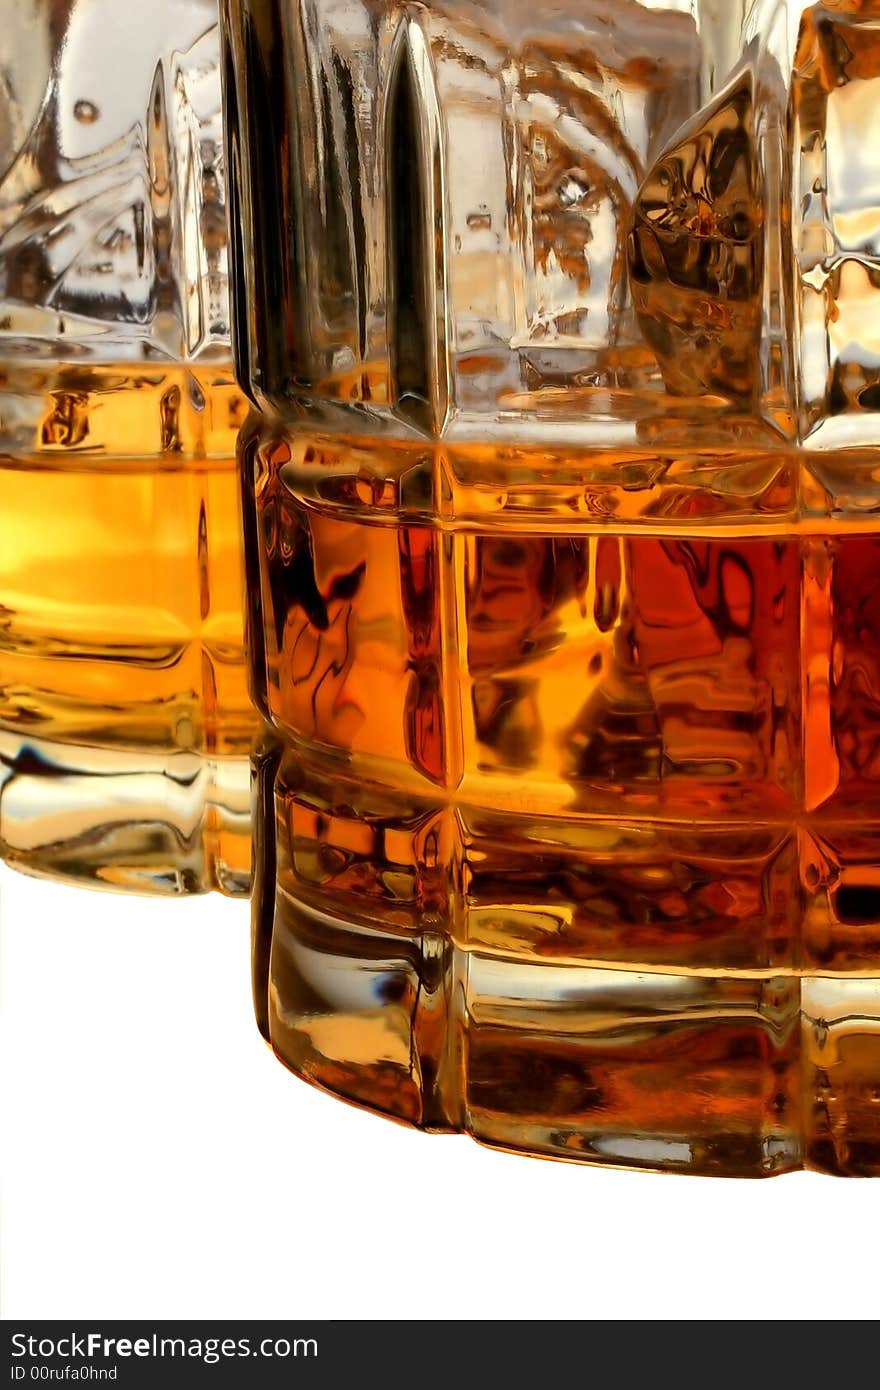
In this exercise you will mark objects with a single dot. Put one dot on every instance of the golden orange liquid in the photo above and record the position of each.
(122, 630)
(565, 812)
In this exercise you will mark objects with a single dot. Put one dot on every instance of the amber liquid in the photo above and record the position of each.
(124, 715)
(564, 813)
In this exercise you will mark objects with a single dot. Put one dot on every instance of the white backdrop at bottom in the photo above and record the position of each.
(159, 1163)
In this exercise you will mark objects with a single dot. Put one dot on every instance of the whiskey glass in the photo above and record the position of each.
(124, 718)
(562, 515)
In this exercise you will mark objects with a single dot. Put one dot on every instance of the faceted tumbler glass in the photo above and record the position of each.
(562, 513)
(124, 719)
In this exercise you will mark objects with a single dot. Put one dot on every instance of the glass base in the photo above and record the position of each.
(390, 994)
(129, 821)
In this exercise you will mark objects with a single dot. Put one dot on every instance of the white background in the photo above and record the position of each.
(159, 1163)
